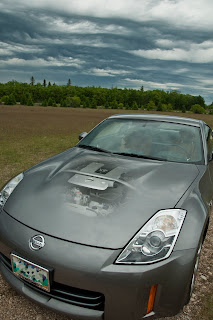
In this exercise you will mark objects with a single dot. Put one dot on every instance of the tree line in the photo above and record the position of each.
(47, 94)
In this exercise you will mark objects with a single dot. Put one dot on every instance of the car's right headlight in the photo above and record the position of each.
(155, 240)
(9, 187)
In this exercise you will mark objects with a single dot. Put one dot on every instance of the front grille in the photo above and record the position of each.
(79, 297)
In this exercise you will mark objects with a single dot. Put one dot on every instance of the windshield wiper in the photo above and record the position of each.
(85, 146)
(138, 156)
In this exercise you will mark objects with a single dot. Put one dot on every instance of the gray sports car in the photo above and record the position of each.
(113, 227)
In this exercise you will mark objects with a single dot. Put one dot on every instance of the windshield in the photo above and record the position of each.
(146, 139)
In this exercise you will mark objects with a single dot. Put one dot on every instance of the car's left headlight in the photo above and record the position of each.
(155, 240)
(9, 187)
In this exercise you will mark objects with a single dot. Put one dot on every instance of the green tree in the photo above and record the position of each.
(69, 82)
(44, 83)
(32, 81)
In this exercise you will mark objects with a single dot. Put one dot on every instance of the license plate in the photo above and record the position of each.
(30, 272)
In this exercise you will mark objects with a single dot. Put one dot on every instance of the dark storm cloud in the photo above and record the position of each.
(98, 47)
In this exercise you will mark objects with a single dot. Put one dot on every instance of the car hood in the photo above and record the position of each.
(97, 199)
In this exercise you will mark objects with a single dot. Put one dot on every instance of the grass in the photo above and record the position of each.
(30, 134)
(206, 312)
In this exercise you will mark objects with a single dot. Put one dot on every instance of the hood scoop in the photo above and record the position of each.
(90, 182)
(97, 176)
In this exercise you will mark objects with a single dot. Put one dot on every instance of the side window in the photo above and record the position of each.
(209, 141)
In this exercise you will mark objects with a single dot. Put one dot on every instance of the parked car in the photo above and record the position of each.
(113, 227)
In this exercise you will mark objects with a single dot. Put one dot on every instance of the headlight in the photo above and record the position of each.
(155, 240)
(8, 189)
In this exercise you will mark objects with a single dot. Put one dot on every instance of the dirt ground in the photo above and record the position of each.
(18, 123)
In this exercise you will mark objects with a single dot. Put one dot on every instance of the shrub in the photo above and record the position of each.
(169, 107)
(30, 101)
(120, 105)
(164, 107)
(44, 103)
(106, 105)
(75, 102)
(196, 108)
(23, 99)
(62, 103)
(134, 106)
(50, 102)
(113, 104)
(66, 103)
(150, 105)
(10, 100)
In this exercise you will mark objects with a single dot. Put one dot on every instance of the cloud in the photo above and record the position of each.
(202, 86)
(83, 27)
(49, 62)
(108, 72)
(154, 85)
(181, 13)
(11, 48)
(195, 53)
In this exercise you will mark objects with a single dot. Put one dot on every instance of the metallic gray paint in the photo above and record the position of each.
(41, 197)
(82, 249)
(126, 288)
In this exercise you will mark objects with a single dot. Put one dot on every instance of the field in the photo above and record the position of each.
(31, 134)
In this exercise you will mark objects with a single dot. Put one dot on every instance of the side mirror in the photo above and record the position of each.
(82, 135)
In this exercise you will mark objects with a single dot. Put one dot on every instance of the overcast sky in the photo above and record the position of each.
(158, 44)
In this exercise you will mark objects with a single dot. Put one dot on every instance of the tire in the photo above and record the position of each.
(194, 273)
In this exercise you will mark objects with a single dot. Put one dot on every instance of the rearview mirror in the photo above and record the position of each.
(82, 135)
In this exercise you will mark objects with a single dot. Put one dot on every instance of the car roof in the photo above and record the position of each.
(157, 117)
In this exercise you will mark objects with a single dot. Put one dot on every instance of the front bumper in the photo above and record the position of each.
(125, 288)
